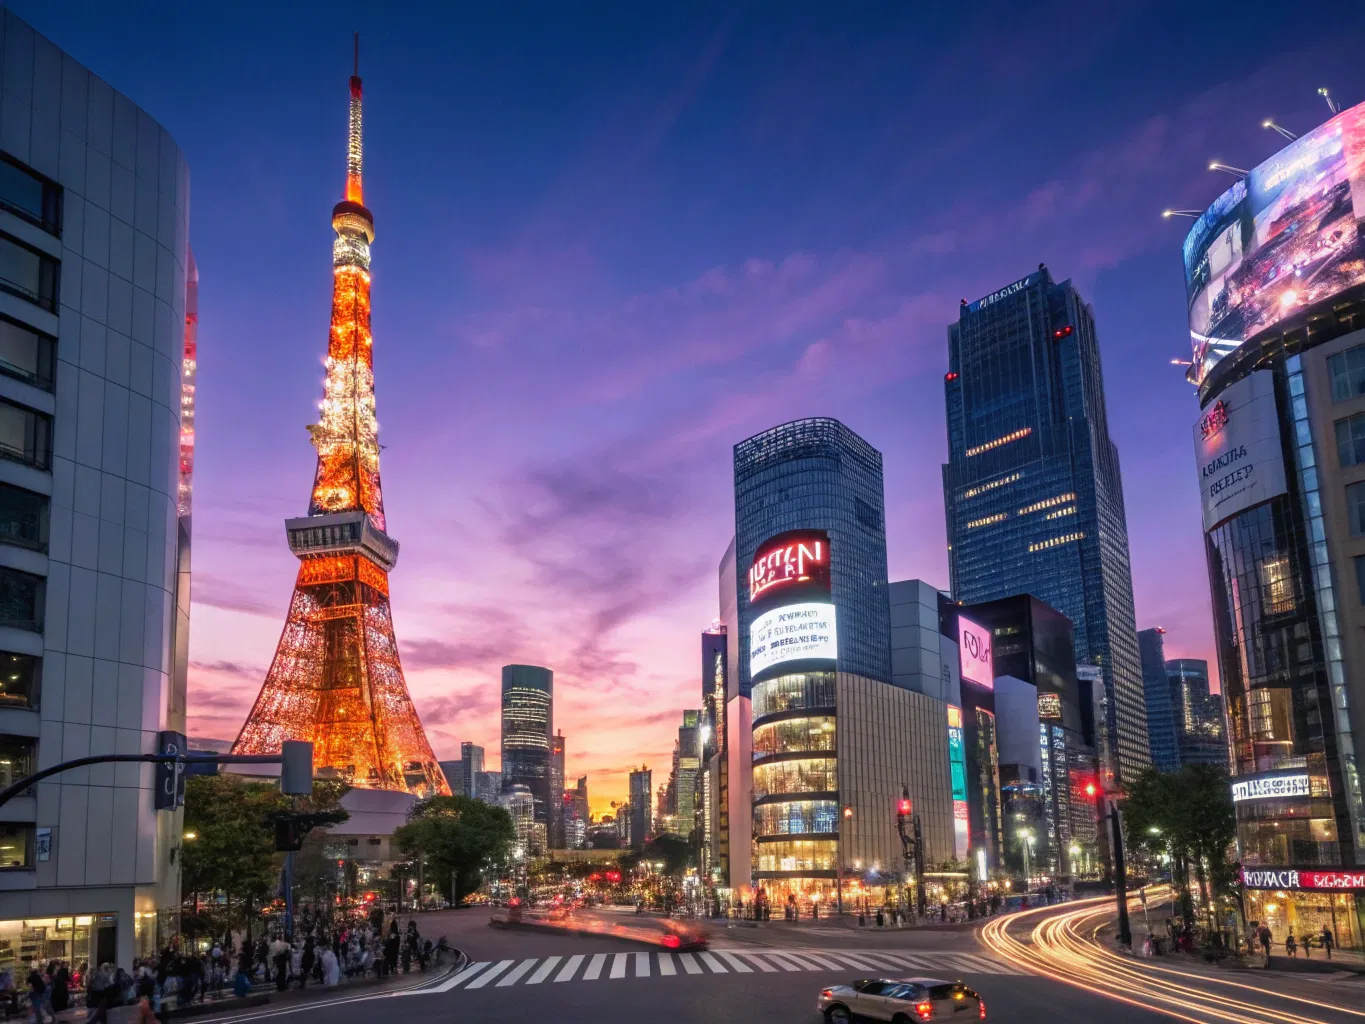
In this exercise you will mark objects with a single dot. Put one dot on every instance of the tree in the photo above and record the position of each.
(456, 837)
(1189, 815)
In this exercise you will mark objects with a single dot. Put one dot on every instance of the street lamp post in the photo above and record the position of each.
(1111, 815)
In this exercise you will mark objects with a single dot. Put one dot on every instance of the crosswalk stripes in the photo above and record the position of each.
(732, 961)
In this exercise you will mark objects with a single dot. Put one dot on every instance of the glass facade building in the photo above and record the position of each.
(1200, 734)
(1156, 687)
(527, 713)
(1032, 493)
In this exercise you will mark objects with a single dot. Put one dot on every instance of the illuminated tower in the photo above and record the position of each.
(336, 678)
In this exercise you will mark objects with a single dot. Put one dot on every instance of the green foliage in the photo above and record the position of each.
(672, 850)
(456, 837)
(1189, 815)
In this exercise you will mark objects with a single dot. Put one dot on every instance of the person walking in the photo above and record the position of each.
(1328, 941)
(306, 964)
(37, 996)
(146, 992)
(1291, 944)
(61, 988)
(279, 956)
(1263, 933)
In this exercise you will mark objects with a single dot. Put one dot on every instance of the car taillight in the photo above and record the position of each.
(983, 1009)
(827, 993)
(925, 1010)
(672, 941)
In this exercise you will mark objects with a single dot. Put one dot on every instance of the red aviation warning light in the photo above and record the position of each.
(904, 807)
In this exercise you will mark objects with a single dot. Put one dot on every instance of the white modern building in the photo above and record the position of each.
(94, 264)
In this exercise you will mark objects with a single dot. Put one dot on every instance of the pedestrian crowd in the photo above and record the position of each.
(1262, 936)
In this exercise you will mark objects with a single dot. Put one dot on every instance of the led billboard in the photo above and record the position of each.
(790, 564)
(974, 653)
(793, 632)
(1237, 449)
(1285, 237)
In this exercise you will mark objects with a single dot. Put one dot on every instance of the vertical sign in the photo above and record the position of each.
(957, 770)
(170, 775)
(42, 844)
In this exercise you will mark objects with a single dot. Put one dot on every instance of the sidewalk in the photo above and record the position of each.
(262, 995)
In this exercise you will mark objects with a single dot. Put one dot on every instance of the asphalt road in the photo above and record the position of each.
(754, 975)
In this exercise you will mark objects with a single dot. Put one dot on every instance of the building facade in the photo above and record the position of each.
(1277, 360)
(1156, 687)
(641, 810)
(1032, 491)
(527, 717)
(557, 791)
(95, 323)
(1200, 733)
(471, 767)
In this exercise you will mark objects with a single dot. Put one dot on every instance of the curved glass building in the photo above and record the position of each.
(1275, 273)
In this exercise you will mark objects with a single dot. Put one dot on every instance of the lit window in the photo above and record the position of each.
(1006, 439)
(1279, 587)
(1070, 510)
(972, 492)
(999, 517)
(1052, 542)
(1037, 506)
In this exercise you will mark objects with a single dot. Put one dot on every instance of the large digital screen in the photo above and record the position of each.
(794, 632)
(974, 653)
(1285, 237)
(1237, 449)
(790, 563)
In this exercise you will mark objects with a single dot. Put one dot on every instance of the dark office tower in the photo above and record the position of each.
(557, 791)
(1156, 687)
(816, 474)
(1200, 735)
(527, 710)
(471, 763)
(1032, 494)
(641, 809)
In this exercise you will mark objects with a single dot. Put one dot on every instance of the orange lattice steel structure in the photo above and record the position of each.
(336, 679)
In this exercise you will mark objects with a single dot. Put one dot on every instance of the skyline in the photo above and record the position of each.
(768, 317)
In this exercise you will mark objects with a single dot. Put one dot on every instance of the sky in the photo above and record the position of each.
(615, 239)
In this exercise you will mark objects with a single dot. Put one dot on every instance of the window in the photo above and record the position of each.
(21, 599)
(374, 841)
(23, 518)
(26, 354)
(16, 760)
(28, 273)
(1347, 370)
(1360, 576)
(1351, 441)
(867, 514)
(19, 674)
(26, 195)
(25, 435)
(1279, 587)
(16, 845)
(1355, 509)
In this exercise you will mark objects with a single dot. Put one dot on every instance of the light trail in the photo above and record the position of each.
(1063, 947)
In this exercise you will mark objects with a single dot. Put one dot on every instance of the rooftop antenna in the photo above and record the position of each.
(1331, 103)
(1228, 168)
(1193, 214)
(1270, 123)
(356, 72)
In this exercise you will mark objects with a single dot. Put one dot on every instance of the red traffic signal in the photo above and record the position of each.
(904, 807)
(1091, 790)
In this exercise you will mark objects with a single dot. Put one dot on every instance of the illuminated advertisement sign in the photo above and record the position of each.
(791, 561)
(1049, 705)
(1241, 462)
(974, 653)
(957, 771)
(1270, 787)
(794, 632)
(1301, 879)
(1285, 237)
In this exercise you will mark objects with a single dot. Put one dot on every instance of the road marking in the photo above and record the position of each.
(853, 961)
(618, 965)
(594, 970)
(488, 975)
(824, 961)
(464, 975)
(786, 963)
(807, 962)
(514, 975)
(763, 965)
(711, 962)
(736, 963)
(567, 973)
(879, 959)
(666, 967)
(642, 965)
(689, 963)
(544, 971)
(980, 962)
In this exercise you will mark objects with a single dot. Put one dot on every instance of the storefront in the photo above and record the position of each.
(81, 939)
(1303, 902)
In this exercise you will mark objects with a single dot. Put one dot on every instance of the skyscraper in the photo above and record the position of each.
(557, 791)
(688, 773)
(527, 713)
(471, 767)
(1200, 734)
(336, 678)
(1032, 492)
(1156, 686)
(640, 811)
(715, 681)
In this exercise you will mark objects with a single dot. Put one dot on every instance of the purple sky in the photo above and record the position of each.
(613, 243)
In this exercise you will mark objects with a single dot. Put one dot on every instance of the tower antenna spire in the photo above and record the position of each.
(356, 72)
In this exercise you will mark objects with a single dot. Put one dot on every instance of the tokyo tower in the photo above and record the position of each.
(336, 679)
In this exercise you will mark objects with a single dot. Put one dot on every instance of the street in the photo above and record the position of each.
(764, 976)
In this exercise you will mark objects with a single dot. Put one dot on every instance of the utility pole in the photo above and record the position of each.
(912, 845)
(1109, 811)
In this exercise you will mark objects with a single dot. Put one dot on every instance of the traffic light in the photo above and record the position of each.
(288, 835)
